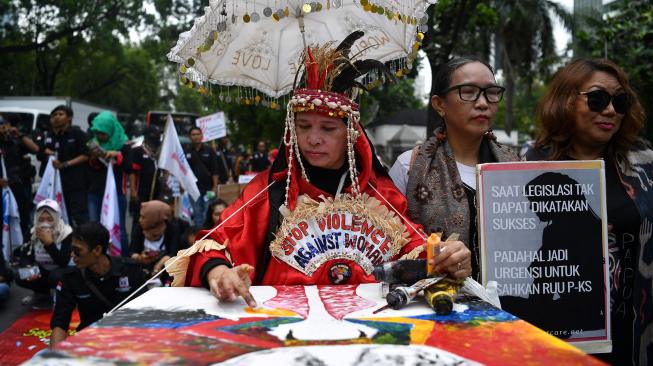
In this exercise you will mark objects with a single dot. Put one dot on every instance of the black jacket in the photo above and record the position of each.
(72, 291)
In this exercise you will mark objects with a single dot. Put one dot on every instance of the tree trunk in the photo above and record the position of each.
(509, 75)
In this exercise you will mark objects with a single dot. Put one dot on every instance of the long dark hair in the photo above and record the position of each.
(208, 219)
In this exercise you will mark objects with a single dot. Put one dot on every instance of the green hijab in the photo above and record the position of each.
(106, 122)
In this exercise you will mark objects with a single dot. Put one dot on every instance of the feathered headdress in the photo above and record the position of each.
(330, 85)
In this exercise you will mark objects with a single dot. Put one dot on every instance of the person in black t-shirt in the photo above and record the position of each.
(142, 172)
(67, 144)
(13, 148)
(590, 111)
(204, 163)
(260, 160)
(97, 284)
(225, 158)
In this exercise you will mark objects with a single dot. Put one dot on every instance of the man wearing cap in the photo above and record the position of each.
(96, 284)
(67, 144)
(13, 147)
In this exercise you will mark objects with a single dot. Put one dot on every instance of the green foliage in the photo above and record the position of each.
(525, 105)
(526, 45)
(626, 37)
(388, 99)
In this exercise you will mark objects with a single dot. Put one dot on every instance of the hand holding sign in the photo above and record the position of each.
(226, 284)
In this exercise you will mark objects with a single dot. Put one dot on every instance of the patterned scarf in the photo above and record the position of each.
(436, 194)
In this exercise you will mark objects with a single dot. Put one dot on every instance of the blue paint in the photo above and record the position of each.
(477, 312)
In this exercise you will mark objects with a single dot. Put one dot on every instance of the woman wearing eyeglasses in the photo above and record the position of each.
(591, 112)
(439, 177)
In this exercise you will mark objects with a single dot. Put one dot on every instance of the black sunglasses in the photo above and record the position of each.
(598, 100)
(471, 92)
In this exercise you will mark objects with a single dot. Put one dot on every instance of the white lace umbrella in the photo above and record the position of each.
(258, 43)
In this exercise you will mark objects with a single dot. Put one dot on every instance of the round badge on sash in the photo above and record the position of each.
(339, 273)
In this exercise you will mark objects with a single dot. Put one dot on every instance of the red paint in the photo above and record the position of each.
(342, 300)
(291, 298)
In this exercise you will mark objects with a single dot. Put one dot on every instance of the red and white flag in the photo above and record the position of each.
(173, 159)
(110, 215)
(12, 236)
(51, 188)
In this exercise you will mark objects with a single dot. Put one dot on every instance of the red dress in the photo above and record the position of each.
(245, 234)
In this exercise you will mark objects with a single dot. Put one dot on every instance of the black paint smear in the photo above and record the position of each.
(155, 318)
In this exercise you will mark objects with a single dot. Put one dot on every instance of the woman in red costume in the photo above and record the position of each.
(325, 212)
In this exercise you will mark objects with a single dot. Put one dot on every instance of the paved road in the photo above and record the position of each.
(13, 309)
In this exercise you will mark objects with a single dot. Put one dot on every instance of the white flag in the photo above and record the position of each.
(173, 159)
(110, 216)
(12, 236)
(51, 188)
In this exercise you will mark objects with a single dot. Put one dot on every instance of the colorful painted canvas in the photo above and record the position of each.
(307, 325)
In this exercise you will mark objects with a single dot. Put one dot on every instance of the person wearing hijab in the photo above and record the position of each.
(326, 211)
(48, 249)
(156, 236)
(108, 146)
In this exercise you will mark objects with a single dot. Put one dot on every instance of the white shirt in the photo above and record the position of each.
(400, 170)
(42, 257)
(153, 246)
(467, 174)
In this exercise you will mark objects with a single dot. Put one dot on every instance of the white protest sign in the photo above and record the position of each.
(213, 126)
(543, 239)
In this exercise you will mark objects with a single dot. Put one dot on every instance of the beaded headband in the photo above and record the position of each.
(330, 79)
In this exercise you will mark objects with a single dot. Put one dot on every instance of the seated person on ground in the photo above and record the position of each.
(45, 255)
(96, 284)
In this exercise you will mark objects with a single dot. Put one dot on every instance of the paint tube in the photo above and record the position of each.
(401, 271)
(440, 296)
(432, 250)
(401, 296)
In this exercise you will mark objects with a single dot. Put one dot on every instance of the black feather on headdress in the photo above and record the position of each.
(346, 79)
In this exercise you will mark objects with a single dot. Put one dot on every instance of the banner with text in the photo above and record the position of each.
(213, 126)
(543, 238)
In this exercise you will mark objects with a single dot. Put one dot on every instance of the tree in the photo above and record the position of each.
(456, 28)
(526, 46)
(388, 99)
(47, 34)
(625, 36)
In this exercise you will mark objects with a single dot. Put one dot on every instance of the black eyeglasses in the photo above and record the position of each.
(598, 100)
(471, 92)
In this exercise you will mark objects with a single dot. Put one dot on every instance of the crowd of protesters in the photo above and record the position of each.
(47, 261)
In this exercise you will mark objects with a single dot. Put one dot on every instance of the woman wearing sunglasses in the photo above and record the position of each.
(591, 112)
(439, 176)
